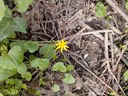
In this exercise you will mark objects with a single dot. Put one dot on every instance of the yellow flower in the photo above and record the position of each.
(62, 45)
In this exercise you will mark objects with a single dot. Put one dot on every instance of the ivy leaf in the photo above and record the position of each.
(8, 13)
(6, 23)
(22, 69)
(43, 64)
(55, 88)
(2, 9)
(27, 76)
(125, 75)
(6, 29)
(23, 5)
(69, 79)
(59, 66)
(32, 46)
(16, 54)
(19, 25)
(13, 59)
(48, 50)
(10, 62)
(70, 67)
(100, 10)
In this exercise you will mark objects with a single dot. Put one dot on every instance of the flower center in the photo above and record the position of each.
(62, 45)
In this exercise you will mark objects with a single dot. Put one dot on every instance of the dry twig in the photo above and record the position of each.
(117, 8)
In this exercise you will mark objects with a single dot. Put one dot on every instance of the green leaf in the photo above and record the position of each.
(70, 67)
(69, 79)
(22, 69)
(6, 29)
(1, 94)
(6, 23)
(6, 73)
(8, 13)
(27, 76)
(41, 81)
(19, 25)
(13, 59)
(32, 46)
(23, 5)
(55, 88)
(7, 63)
(59, 66)
(16, 54)
(24, 86)
(43, 64)
(19, 43)
(48, 50)
(125, 75)
(101, 10)
(16, 82)
(10, 62)
(11, 91)
(126, 5)
(2, 9)
(38, 93)
(3, 50)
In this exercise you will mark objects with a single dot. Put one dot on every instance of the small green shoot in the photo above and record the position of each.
(69, 79)
(24, 86)
(125, 75)
(55, 88)
(70, 67)
(100, 10)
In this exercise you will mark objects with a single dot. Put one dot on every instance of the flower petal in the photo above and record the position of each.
(61, 50)
(58, 47)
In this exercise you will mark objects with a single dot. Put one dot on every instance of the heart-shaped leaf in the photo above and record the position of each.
(13, 59)
(43, 64)
(69, 79)
(48, 51)
(32, 46)
(55, 88)
(59, 66)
